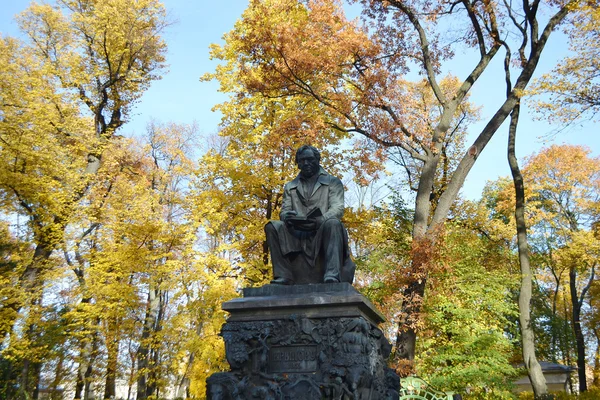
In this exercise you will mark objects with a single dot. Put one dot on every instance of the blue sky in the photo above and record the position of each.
(180, 96)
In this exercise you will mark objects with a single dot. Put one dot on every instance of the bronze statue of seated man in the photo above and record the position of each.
(310, 244)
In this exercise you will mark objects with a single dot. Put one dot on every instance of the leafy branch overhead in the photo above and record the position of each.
(356, 73)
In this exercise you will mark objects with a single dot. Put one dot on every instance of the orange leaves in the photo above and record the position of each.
(330, 76)
(564, 180)
(292, 47)
(562, 188)
(277, 51)
(294, 37)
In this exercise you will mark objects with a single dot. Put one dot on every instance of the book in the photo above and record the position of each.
(312, 214)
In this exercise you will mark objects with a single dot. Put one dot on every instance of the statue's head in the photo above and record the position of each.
(307, 158)
(221, 386)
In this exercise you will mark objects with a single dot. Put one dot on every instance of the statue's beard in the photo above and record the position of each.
(308, 171)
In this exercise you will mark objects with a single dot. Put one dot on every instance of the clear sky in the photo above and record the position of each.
(180, 96)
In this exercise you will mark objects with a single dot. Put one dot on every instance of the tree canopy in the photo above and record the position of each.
(117, 251)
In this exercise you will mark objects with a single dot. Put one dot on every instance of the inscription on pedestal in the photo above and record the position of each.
(293, 359)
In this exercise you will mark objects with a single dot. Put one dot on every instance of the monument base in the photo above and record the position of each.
(299, 342)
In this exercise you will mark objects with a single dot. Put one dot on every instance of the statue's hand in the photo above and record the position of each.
(286, 215)
(309, 225)
(312, 224)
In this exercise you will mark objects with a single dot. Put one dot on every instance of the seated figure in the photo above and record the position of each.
(310, 244)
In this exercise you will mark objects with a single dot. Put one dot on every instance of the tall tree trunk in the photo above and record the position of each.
(87, 355)
(145, 384)
(184, 380)
(31, 370)
(183, 388)
(406, 336)
(566, 334)
(555, 328)
(536, 376)
(111, 375)
(29, 380)
(427, 222)
(132, 370)
(112, 359)
(58, 376)
(155, 351)
(269, 216)
(423, 239)
(31, 283)
(596, 381)
(579, 339)
(37, 371)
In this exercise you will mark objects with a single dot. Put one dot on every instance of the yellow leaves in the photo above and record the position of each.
(44, 140)
(210, 358)
(564, 180)
(572, 90)
(562, 188)
(113, 206)
(45, 86)
(47, 27)
(104, 52)
(198, 323)
(582, 253)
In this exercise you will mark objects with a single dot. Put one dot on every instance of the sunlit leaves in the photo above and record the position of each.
(572, 90)
(465, 346)
(563, 195)
(65, 91)
(106, 52)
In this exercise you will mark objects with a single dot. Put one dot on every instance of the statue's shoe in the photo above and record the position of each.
(282, 281)
(331, 280)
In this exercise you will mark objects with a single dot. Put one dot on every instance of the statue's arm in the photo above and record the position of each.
(336, 200)
(286, 204)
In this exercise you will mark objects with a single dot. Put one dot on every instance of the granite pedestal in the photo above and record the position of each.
(318, 341)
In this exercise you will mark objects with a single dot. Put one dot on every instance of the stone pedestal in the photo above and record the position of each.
(298, 342)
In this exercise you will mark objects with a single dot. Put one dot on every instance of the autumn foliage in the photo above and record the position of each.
(117, 252)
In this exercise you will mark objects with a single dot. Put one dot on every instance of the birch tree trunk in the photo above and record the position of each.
(534, 370)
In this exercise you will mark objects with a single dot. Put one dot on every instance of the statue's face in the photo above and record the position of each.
(308, 163)
(217, 392)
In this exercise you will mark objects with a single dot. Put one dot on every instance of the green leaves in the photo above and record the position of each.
(468, 311)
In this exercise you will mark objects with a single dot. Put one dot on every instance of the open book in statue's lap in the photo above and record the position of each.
(310, 244)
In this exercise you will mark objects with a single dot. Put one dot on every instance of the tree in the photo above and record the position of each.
(144, 283)
(562, 193)
(467, 342)
(593, 322)
(170, 150)
(40, 163)
(101, 56)
(13, 254)
(534, 370)
(570, 193)
(467, 338)
(307, 50)
(82, 56)
(43, 146)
